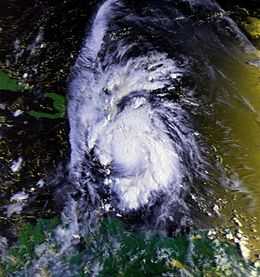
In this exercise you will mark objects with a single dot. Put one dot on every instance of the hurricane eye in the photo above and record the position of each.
(106, 91)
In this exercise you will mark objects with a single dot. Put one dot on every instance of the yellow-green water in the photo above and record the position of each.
(233, 130)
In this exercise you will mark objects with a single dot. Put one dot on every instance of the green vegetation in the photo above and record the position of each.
(7, 83)
(117, 251)
(138, 255)
(124, 253)
(58, 105)
(29, 237)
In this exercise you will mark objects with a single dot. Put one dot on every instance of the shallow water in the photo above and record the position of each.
(233, 129)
